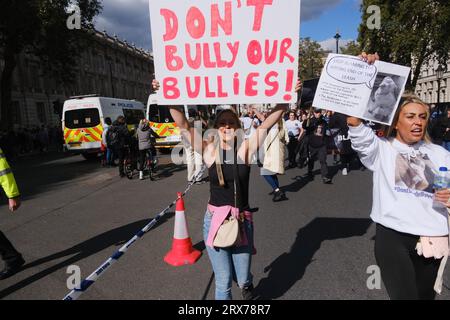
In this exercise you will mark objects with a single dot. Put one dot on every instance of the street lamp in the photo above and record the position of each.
(439, 76)
(337, 37)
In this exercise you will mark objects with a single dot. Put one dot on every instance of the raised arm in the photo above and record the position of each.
(257, 140)
(274, 116)
(364, 140)
(370, 59)
(259, 115)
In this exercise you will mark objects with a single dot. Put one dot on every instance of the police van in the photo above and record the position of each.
(163, 124)
(83, 120)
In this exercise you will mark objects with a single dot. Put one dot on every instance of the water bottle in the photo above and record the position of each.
(441, 179)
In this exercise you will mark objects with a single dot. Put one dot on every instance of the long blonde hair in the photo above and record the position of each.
(407, 98)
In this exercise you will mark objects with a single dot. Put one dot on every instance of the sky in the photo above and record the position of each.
(320, 19)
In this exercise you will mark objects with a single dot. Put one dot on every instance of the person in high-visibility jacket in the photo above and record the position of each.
(13, 259)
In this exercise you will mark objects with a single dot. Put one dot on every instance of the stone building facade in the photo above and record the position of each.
(109, 67)
(427, 84)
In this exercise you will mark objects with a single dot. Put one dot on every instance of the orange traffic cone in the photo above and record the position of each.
(182, 251)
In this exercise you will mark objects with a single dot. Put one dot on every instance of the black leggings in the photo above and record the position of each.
(144, 155)
(346, 159)
(321, 155)
(405, 274)
(292, 150)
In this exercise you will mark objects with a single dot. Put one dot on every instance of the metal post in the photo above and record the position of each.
(337, 37)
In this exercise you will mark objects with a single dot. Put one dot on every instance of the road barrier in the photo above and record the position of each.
(90, 280)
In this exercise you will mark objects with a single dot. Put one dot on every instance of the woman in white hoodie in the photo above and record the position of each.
(404, 208)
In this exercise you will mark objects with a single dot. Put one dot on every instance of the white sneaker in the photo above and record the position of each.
(344, 172)
(141, 175)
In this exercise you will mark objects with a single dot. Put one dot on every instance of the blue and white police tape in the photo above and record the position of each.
(90, 280)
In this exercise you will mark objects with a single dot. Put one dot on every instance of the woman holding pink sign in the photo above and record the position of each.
(228, 157)
(411, 245)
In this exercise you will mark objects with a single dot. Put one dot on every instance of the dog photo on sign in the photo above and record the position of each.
(383, 98)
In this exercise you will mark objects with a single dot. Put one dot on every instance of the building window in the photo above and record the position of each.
(101, 63)
(424, 71)
(118, 67)
(92, 87)
(101, 86)
(15, 113)
(35, 78)
(111, 67)
(40, 110)
(119, 88)
(88, 58)
(125, 89)
(15, 80)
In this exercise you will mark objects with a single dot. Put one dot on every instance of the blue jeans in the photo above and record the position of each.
(446, 145)
(109, 156)
(230, 263)
(273, 181)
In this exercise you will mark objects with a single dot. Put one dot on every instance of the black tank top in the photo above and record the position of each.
(224, 196)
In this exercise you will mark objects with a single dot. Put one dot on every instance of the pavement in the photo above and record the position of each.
(316, 245)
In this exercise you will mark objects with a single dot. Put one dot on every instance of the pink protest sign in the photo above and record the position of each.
(225, 52)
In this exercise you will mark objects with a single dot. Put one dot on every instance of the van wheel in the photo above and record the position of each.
(90, 156)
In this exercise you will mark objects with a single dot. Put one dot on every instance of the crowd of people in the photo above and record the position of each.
(309, 135)
(440, 128)
(23, 141)
(411, 217)
(133, 148)
(411, 243)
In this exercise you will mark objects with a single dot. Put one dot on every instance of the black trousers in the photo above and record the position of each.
(142, 159)
(292, 150)
(321, 155)
(8, 253)
(405, 274)
(144, 155)
(302, 150)
(120, 153)
(346, 159)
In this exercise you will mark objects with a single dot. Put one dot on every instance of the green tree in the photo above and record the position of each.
(412, 32)
(352, 48)
(311, 59)
(39, 27)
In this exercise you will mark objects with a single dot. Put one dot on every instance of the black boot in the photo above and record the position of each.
(248, 294)
(12, 268)
(326, 180)
(279, 196)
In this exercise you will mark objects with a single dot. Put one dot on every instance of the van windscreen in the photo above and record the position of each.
(82, 118)
(159, 114)
(133, 116)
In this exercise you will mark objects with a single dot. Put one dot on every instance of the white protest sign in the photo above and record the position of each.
(351, 71)
(351, 86)
(225, 52)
